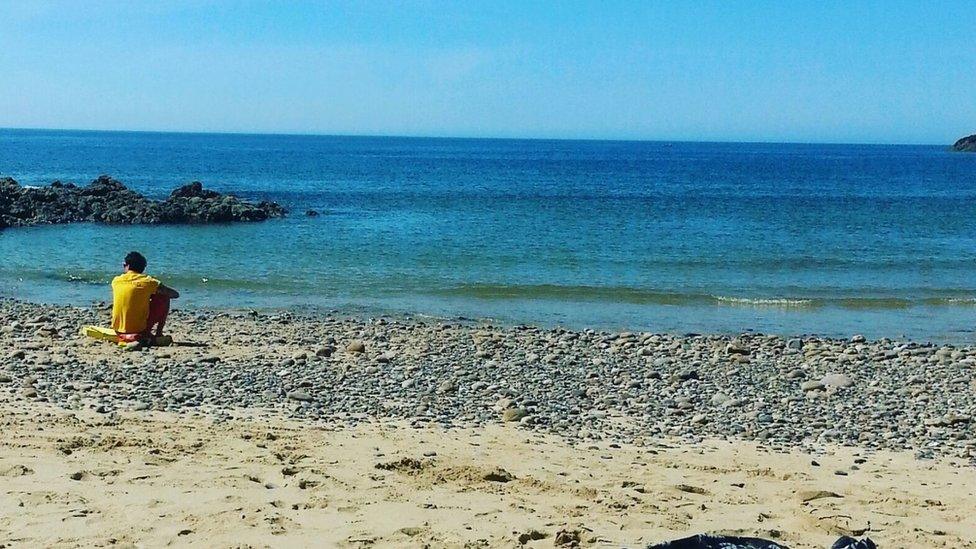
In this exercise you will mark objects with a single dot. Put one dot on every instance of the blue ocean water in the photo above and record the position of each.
(676, 237)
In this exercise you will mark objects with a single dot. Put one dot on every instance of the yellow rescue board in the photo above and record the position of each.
(98, 332)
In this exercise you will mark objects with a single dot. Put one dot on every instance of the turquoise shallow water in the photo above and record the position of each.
(681, 237)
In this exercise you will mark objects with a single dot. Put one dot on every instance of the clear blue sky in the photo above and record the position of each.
(887, 71)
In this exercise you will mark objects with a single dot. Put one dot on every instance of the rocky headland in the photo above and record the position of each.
(966, 144)
(106, 200)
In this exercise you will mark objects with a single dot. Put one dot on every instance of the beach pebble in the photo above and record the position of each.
(356, 347)
(513, 414)
(448, 386)
(719, 399)
(301, 396)
(840, 381)
(325, 351)
(811, 385)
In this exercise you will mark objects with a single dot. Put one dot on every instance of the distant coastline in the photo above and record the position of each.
(539, 138)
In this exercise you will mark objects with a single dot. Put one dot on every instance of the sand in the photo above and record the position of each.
(77, 478)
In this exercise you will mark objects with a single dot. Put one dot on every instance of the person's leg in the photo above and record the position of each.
(158, 311)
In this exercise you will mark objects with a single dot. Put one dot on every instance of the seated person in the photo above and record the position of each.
(140, 303)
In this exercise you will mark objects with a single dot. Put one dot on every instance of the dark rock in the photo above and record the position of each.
(966, 144)
(311, 213)
(499, 475)
(193, 190)
(106, 200)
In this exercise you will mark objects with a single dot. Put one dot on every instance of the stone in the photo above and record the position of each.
(566, 537)
(356, 346)
(839, 381)
(531, 535)
(811, 495)
(448, 386)
(300, 396)
(811, 385)
(720, 399)
(691, 489)
(514, 414)
(325, 351)
(133, 346)
(499, 475)
(737, 349)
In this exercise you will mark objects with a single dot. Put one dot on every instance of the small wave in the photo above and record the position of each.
(951, 301)
(766, 302)
(875, 303)
(84, 278)
(619, 294)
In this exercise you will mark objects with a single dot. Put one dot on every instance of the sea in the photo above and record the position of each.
(676, 237)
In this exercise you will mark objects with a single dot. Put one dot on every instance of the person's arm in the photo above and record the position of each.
(167, 291)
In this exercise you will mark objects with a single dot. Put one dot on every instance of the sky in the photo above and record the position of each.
(796, 71)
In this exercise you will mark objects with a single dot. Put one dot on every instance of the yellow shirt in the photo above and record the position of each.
(130, 301)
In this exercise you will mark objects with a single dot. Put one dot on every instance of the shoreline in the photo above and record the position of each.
(368, 312)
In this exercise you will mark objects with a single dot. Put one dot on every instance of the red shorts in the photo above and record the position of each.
(158, 310)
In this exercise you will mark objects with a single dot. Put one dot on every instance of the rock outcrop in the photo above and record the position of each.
(106, 200)
(966, 144)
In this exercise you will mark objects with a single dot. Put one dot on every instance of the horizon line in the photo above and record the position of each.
(473, 138)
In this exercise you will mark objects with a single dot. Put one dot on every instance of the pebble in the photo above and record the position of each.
(356, 347)
(514, 414)
(719, 399)
(841, 381)
(301, 396)
(811, 385)
(324, 351)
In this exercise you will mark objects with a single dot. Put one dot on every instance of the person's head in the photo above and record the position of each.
(135, 261)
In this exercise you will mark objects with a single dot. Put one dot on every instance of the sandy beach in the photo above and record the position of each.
(283, 429)
(149, 480)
